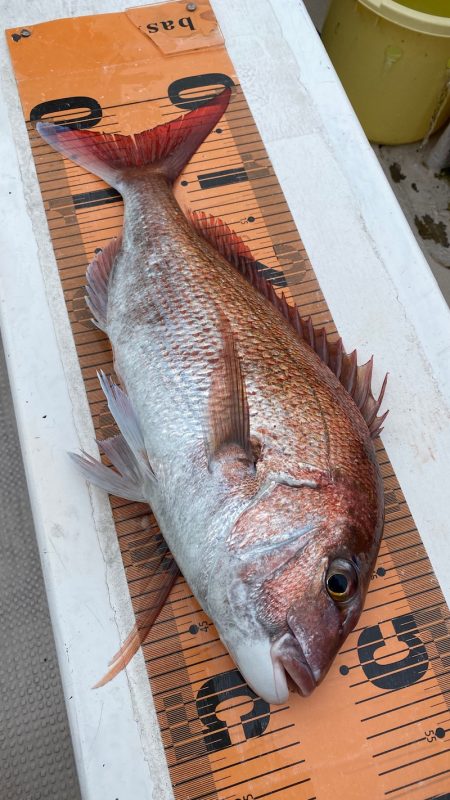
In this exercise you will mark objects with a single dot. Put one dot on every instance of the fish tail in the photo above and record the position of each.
(166, 147)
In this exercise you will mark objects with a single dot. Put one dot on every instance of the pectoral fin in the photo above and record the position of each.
(141, 629)
(228, 413)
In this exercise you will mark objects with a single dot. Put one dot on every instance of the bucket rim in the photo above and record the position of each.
(418, 21)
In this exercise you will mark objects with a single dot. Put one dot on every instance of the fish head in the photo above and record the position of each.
(300, 559)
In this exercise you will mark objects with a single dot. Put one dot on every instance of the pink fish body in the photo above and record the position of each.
(254, 451)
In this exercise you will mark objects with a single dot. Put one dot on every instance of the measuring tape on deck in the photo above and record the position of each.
(379, 725)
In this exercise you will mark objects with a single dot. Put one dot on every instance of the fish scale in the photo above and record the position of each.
(183, 296)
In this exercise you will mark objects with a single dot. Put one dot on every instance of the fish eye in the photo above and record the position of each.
(341, 580)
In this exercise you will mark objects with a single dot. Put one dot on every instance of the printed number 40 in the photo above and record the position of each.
(92, 112)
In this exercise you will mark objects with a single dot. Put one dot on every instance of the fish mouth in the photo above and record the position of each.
(291, 666)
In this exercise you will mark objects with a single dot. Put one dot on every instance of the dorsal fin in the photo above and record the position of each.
(355, 379)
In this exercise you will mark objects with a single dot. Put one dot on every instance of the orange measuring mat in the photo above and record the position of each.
(379, 725)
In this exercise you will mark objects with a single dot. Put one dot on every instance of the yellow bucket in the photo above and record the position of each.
(393, 59)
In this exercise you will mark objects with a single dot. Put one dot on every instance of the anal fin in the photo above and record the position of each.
(97, 279)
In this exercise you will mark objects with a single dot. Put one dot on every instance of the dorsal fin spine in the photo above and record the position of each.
(355, 379)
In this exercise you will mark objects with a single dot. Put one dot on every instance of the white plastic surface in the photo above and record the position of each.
(382, 295)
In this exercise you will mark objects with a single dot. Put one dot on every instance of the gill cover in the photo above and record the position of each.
(259, 549)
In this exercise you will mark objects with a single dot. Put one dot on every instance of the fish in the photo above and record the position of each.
(247, 430)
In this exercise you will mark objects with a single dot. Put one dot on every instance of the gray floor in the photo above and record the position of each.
(424, 196)
(36, 760)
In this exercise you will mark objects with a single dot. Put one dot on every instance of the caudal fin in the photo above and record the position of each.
(167, 147)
